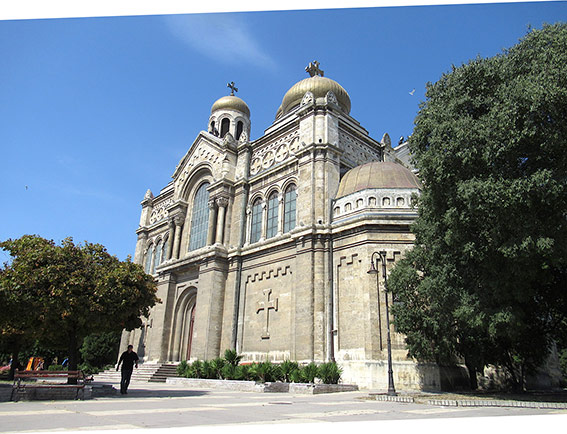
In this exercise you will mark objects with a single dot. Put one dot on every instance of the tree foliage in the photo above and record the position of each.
(487, 278)
(59, 294)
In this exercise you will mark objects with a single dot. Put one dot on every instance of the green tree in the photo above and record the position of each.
(486, 280)
(70, 291)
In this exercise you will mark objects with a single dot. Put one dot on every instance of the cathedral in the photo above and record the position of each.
(265, 245)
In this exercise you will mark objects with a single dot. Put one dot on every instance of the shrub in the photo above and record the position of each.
(56, 368)
(99, 349)
(232, 357)
(295, 376)
(287, 368)
(182, 368)
(195, 370)
(209, 370)
(309, 372)
(330, 373)
(216, 367)
(88, 369)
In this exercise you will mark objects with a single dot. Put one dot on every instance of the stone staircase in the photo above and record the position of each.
(164, 371)
(144, 372)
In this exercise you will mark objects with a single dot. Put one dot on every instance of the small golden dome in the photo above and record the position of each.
(230, 102)
(319, 86)
(377, 174)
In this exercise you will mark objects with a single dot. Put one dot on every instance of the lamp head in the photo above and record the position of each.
(373, 269)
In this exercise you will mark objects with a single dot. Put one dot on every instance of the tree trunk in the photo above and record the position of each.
(15, 360)
(472, 374)
(73, 356)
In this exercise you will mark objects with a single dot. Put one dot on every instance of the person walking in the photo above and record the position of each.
(128, 359)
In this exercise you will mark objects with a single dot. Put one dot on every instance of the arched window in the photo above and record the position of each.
(289, 208)
(239, 127)
(213, 128)
(199, 218)
(164, 250)
(256, 226)
(225, 124)
(272, 228)
(158, 256)
(149, 255)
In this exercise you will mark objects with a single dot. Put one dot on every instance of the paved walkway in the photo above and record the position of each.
(157, 405)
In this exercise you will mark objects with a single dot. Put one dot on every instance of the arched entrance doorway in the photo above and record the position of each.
(183, 322)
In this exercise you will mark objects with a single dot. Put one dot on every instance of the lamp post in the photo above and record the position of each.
(374, 270)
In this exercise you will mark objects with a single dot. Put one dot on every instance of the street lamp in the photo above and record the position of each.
(374, 270)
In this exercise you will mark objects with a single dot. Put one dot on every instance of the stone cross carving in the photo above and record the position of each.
(233, 88)
(313, 69)
(266, 305)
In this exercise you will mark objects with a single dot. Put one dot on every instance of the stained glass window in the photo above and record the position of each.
(272, 228)
(164, 250)
(158, 257)
(200, 218)
(149, 255)
(256, 227)
(289, 208)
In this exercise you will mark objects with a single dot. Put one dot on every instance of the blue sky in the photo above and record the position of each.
(94, 111)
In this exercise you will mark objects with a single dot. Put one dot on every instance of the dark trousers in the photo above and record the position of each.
(125, 380)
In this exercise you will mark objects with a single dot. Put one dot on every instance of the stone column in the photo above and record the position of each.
(248, 224)
(178, 220)
(222, 203)
(264, 220)
(211, 227)
(171, 238)
(281, 212)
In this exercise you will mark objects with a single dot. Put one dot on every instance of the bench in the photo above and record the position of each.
(43, 380)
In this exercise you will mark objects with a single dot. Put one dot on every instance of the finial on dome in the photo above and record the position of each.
(313, 69)
(233, 88)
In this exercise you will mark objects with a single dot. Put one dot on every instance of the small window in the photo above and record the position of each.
(359, 203)
(289, 208)
(400, 201)
(272, 228)
(348, 206)
(372, 201)
(213, 128)
(256, 226)
(239, 127)
(337, 210)
(225, 124)
(386, 201)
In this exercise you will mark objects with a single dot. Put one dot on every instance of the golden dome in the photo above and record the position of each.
(319, 86)
(377, 174)
(230, 102)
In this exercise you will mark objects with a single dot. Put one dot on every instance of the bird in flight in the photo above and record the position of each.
(412, 92)
(26, 187)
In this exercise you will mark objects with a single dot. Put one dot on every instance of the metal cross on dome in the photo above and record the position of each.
(233, 88)
(313, 69)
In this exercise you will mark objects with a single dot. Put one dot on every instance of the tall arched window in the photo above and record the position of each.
(272, 227)
(164, 250)
(239, 127)
(225, 124)
(149, 255)
(199, 218)
(158, 256)
(256, 226)
(289, 208)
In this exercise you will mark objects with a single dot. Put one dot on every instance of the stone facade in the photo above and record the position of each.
(252, 247)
